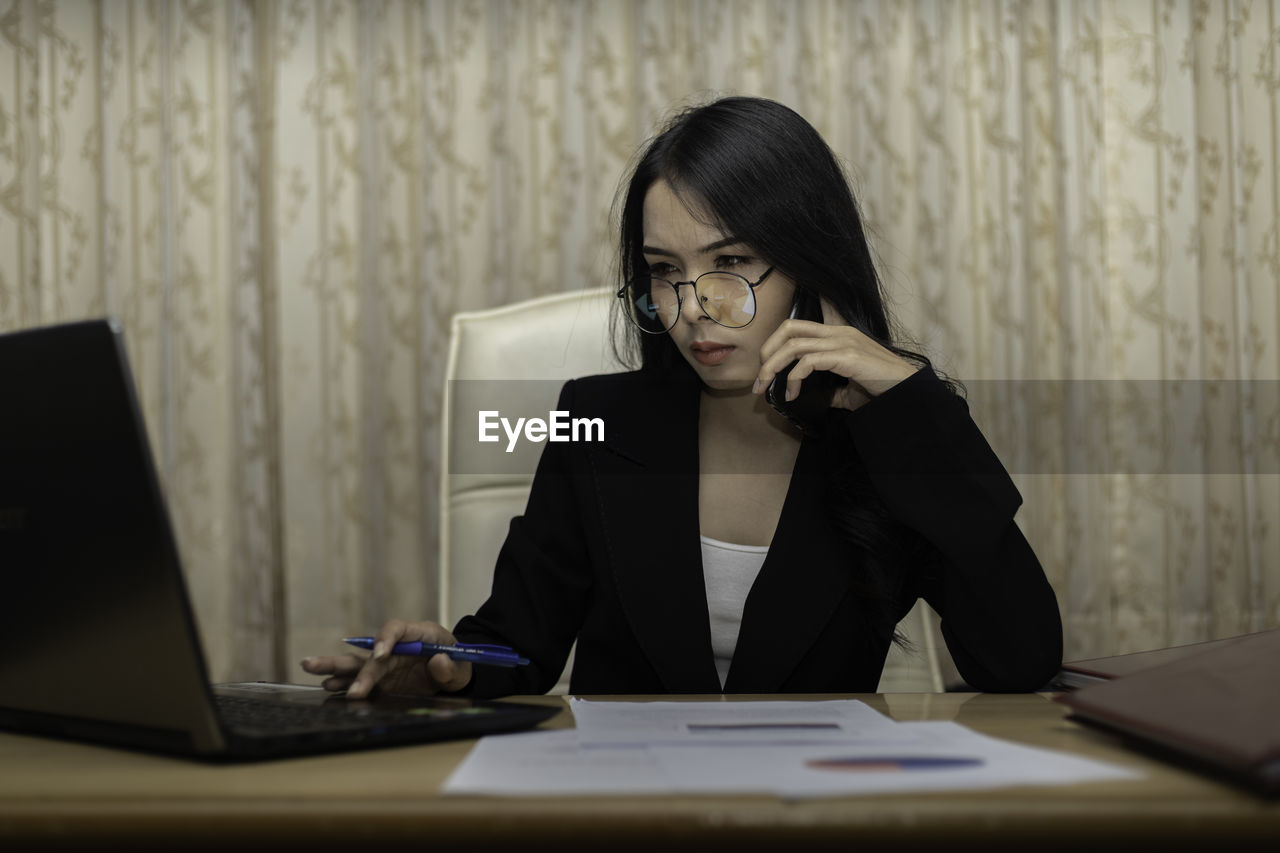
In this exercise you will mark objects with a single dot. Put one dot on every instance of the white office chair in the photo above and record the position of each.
(532, 347)
(920, 670)
(551, 338)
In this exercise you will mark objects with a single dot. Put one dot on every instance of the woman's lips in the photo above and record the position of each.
(710, 352)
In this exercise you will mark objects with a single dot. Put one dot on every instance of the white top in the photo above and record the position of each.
(728, 570)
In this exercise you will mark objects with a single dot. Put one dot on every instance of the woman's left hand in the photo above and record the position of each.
(831, 345)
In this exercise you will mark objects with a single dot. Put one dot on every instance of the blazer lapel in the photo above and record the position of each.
(647, 476)
(804, 578)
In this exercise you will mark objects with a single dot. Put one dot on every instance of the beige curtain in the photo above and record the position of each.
(286, 201)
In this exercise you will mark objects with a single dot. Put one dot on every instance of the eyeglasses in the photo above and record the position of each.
(653, 303)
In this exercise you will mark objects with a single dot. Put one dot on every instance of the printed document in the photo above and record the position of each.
(737, 723)
(789, 749)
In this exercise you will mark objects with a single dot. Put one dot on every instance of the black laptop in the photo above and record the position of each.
(98, 635)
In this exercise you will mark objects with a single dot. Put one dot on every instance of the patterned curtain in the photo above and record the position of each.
(1076, 208)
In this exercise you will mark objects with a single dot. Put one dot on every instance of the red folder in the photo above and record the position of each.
(1081, 673)
(1219, 708)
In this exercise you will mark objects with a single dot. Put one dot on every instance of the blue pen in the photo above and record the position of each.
(475, 653)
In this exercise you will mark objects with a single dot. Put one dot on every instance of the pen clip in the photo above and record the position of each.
(487, 647)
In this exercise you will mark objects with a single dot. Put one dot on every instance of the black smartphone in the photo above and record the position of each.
(816, 390)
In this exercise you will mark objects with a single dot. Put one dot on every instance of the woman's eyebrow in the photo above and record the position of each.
(720, 244)
(654, 250)
(710, 247)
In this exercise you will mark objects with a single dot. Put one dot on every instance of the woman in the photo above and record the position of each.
(714, 542)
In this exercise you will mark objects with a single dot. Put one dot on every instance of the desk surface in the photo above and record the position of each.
(58, 792)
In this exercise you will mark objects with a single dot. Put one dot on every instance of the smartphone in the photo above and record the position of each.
(816, 390)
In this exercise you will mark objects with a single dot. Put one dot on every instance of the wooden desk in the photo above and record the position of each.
(53, 793)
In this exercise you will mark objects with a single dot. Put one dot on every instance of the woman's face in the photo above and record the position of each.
(680, 246)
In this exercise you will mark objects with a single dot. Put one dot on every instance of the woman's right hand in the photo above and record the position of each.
(358, 674)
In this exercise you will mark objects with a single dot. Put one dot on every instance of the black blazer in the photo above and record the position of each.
(608, 553)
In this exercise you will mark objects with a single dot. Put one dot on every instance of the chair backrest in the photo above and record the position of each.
(514, 359)
(920, 669)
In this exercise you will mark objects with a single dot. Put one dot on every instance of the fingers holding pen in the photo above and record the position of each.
(381, 660)
(410, 674)
(392, 632)
(359, 674)
(442, 672)
(405, 673)
(447, 673)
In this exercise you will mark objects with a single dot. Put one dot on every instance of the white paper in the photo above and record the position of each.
(552, 763)
(928, 756)
(679, 748)
(725, 723)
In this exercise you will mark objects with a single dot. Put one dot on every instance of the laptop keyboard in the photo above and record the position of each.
(279, 717)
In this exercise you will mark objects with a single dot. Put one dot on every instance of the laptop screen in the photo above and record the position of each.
(98, 613)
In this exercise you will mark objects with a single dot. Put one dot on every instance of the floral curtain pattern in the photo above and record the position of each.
(1076, 207)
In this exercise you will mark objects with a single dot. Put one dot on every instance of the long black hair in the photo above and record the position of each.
(768, 178)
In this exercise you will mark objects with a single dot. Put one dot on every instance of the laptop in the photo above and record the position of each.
(98, 632)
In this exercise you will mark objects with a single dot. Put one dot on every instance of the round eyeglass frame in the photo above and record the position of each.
(676, 285)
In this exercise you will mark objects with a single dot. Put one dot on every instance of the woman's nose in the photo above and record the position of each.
(690, 309)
